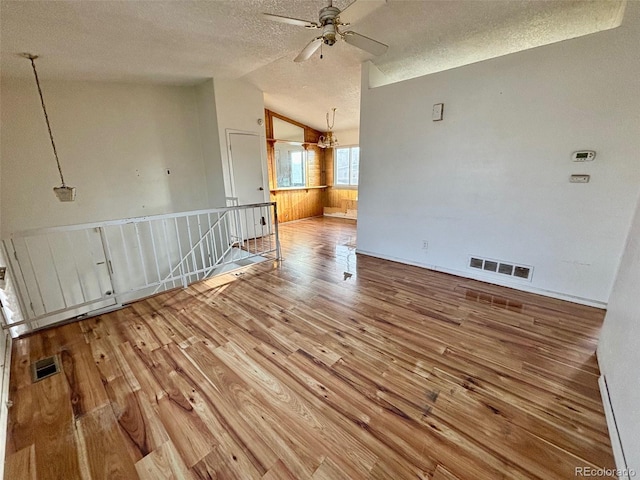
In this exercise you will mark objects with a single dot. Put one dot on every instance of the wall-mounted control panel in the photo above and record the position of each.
(583, 156)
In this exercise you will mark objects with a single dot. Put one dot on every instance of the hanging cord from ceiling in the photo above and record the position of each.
(44, 110)
(329, 140)
(333, 121)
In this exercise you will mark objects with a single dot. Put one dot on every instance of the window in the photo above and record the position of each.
(347, 166)
(290, 165)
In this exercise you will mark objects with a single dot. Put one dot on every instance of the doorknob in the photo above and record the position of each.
(261, 188)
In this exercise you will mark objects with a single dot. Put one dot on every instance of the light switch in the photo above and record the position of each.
(579, 178)
(436, 114)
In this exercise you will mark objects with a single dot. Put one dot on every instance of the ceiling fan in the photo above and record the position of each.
(330, 23)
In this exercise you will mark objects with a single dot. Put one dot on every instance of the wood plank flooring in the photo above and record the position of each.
(329, 366)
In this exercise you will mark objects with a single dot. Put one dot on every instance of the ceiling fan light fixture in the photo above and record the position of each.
(333, 28)
(329, 140)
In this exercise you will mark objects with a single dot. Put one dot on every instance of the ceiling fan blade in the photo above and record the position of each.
(291, 21)
(365, 43)
(360, 9)
(307, 51)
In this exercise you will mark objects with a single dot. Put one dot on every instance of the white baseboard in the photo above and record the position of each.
(342, 215)
(616, 443)
(5, 368)
(525, 287)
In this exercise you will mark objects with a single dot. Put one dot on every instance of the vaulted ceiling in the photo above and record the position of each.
(184, 42)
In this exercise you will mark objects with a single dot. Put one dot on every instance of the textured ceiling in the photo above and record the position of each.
(183, 42)
(457, 33)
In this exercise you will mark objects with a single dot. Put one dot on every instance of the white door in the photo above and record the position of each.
(245, 161)
(245, 165)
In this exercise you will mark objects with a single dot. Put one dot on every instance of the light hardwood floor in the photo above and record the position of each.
(326, 367)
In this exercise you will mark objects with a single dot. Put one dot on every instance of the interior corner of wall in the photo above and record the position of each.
(617, 20)
(207, 81)
(372, 76)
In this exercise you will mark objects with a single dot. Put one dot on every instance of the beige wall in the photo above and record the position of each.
(618, 350)
(492, 178)
(210, 141)
(116, 143)
(348, 137)
(239, 105)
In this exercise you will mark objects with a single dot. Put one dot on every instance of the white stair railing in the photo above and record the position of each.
(208, 237)
(64, 272)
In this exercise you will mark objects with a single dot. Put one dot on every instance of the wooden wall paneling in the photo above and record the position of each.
(268, 123)
(271, 161)
(303, 203)
(328, 167)
(294, 205)
(341, 197)
(298, 204)
(311, 135)
(315, 156)
(271, 165)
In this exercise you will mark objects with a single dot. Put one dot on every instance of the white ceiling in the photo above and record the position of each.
(184, 42)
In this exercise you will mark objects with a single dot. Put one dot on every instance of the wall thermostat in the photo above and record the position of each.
(583, 156)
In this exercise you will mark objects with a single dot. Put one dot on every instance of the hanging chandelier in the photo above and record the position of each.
(329, 140)
(63, 192)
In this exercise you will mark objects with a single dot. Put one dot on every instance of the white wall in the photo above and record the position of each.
(115, 142)
(210, 140)
(492, 178)
(239, 105)
(348, 137)
(618, 350)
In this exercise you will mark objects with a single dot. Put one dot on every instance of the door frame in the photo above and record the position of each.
(263, 162)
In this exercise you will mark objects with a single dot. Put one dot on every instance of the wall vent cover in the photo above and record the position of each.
(44, 368)
(500, 267)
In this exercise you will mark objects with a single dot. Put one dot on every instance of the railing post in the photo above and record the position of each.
(4, 324)
(183, 275)
(275, 219)
(106, 248)
(12, 273)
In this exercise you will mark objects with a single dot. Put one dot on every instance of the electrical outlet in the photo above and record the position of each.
(425, 245)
